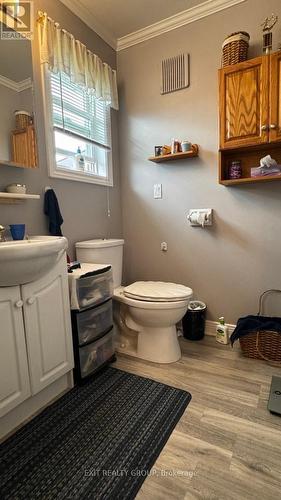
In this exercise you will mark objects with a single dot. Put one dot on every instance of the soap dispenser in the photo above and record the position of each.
(222, 332)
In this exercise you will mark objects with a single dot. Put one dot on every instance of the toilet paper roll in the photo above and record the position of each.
(197, 218)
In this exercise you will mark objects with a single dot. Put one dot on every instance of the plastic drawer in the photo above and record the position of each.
(93, 290)
(94, 355)
(92, 323)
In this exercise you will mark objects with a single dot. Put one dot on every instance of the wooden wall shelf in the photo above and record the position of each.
(250, 180)
(17, 197)
(176, 156)
(250, 157)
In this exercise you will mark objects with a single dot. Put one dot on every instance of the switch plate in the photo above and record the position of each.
(157, 191)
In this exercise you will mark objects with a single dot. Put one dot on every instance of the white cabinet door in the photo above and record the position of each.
(14, 376)
(48, 327)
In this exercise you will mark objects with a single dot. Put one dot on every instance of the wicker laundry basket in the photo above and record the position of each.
(235, 48)
(262, 344)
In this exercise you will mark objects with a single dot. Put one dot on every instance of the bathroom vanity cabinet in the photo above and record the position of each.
(250, 117)
(35, 341)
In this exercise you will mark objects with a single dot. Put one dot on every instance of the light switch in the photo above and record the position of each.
(157, 191)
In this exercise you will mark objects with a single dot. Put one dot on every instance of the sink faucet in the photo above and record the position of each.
(2, 231)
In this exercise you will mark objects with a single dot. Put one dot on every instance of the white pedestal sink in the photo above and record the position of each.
(28, 260)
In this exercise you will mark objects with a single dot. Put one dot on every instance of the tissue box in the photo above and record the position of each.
(264, 171)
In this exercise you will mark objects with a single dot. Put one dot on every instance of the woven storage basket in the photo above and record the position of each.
(235, 48)
(262, 344)
(23, 119)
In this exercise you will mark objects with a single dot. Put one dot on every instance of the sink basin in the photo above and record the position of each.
(28, 260)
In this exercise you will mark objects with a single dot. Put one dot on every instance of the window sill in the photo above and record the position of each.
(78, 177)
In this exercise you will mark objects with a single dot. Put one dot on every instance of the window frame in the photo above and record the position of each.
(53, 169)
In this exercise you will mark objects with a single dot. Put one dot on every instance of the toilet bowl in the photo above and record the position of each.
(145, 312)
(153, 323)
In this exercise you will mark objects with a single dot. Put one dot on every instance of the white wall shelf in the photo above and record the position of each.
(17, 197)
(8, 163)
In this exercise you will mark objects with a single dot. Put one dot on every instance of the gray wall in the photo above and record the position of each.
(9, 103)
(84, 206)
(229, 264)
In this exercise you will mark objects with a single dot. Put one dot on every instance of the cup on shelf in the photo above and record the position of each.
(17, 231)
(186, 146)
(235, 170)
(158, 150)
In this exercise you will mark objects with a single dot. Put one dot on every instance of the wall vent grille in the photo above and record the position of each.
(175, 73)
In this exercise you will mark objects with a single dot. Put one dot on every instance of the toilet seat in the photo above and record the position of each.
(119, 296)
(157, 291)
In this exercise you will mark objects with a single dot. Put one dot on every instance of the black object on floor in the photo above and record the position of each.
(98, 441)
(193, 322)
(274, 401)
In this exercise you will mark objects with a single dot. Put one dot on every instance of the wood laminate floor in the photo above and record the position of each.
(227, 445)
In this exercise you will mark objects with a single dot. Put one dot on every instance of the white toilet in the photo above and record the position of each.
(145, 312)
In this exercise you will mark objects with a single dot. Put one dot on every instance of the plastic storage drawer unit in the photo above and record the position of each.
(94, 289)
(89, 286)
(92, 323)
(94, 355)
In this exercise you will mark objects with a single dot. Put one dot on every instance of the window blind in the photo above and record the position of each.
(77, 112)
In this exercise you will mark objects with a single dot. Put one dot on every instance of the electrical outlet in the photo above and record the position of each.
(157, 191)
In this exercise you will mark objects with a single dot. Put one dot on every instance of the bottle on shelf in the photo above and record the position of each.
(80, 159)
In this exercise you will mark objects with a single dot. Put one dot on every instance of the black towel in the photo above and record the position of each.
(52, 210)
(254, 323)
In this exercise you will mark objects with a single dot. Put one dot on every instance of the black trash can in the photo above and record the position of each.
(193, 322)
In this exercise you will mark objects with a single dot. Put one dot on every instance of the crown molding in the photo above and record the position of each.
(16, 86)
(24, 84)
(181, 19)
(89, 19)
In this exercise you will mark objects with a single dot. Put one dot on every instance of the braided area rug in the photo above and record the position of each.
(98, 441)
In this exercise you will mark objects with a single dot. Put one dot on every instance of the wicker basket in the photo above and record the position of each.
(23, 119)
(263, 344)
(235, 48)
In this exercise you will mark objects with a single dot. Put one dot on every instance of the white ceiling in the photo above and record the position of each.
(118, 21)
(121, 17)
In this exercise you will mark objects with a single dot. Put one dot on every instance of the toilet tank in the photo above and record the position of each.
(103, 252)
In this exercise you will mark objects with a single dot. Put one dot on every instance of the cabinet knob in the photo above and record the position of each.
(264, 127)
(272, 126)
(30, 300)
(19, 303)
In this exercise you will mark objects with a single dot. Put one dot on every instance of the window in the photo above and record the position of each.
(81, 132)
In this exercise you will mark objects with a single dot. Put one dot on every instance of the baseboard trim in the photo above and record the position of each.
(210, 327)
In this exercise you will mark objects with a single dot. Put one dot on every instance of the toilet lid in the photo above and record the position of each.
(157, 291)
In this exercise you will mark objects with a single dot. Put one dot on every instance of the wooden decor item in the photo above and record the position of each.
(24, 148)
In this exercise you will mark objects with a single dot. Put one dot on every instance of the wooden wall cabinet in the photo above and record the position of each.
(275, 97)
(250, 115)
(244, 103)
(24, 147)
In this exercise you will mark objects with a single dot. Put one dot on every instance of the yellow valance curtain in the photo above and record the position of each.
(62, 52)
